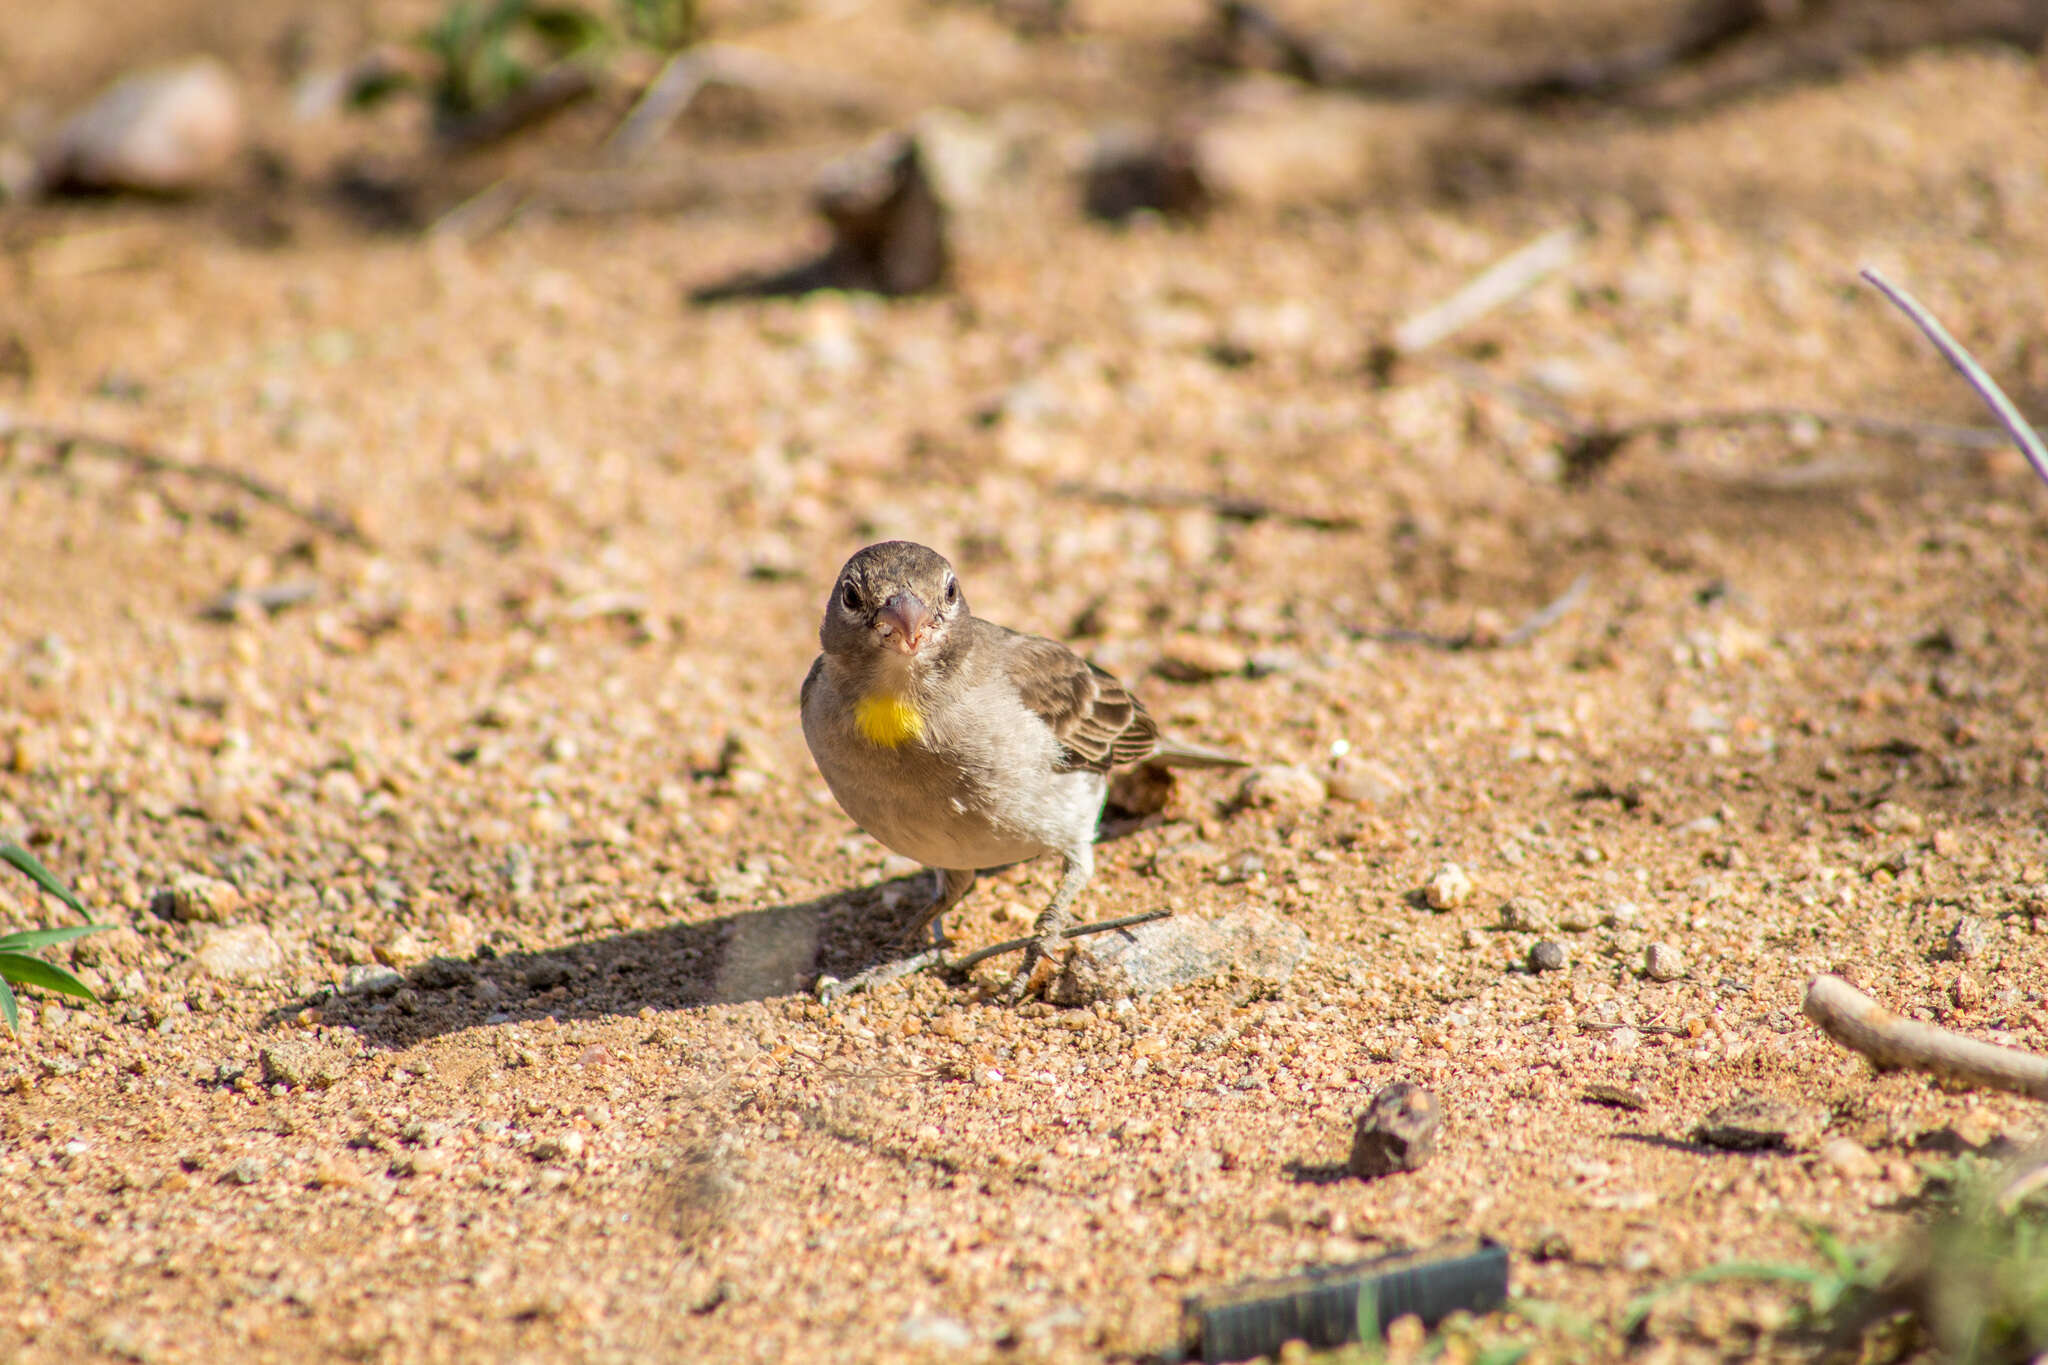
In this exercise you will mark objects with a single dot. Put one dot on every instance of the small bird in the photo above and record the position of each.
(963, 744)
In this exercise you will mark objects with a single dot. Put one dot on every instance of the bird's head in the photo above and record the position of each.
(892, 607)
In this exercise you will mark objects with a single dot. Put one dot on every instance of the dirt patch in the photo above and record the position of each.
(512, 1054)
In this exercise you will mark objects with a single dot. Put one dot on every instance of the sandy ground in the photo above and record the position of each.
(533, 745)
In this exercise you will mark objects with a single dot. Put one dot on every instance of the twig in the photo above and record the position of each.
(1588, 446)
(830, 990)
(1016, 945)
(1498, 285)
(1860, 1024)
(1549, 615)
(2008, 415)
(1227, 505)
(1538, 621)
(150, 461)
(659, 106)
(483, 213)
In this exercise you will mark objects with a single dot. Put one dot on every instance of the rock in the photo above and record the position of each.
(1757, 1122)
(1527, 915)
(1449, 888)
(1966, 991)
(948, 1335)
(163, 131)
(302, 1065)
(247, 1171)
(1614, 1096)
(1172, 952)
(245, 952)
(1851, 1159)
(1968, 940)
(1364, 781)
(1134, 170)
(1577, 918)
(545, 973)
(1548, 955)
(1198, 658)
(195, 898)
(1281, 787)
(1397, 1131)
(1662, 962)
(370, 979)
(888, 230)
(335, 1173)
(1279, 148)
(443, 974)
(964, 155)
(567, 1147)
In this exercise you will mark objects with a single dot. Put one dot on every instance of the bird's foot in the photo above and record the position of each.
(1037, 964)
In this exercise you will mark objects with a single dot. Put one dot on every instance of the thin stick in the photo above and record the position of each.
(1498, 285)
(1860, 1024)
(1548, 616)
(2008, 415)
(156, 462)
(1014, 945)
(1538, 621)
(1222, 504)
(659, 106)
(883, 974)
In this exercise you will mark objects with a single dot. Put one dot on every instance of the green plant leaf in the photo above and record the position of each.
(8, 1009)
(567, 29)
(1768, 1272)
(25, 939)
(24, 970)
(40, 875)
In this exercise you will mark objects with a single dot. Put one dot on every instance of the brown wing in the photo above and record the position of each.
(1098, 723)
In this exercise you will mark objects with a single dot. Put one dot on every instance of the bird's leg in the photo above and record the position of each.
(1079, 866)
(953, 884)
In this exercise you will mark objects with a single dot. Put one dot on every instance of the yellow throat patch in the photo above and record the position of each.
(887, 719)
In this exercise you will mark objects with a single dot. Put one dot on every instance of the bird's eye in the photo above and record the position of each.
(849, 597)
(952, 590)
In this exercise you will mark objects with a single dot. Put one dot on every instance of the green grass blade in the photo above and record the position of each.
(8, 1009)
(26, 939)
(1640, 1306)
(40, 875)
(24, 970)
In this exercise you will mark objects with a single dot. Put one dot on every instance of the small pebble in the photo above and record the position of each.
(1968, 940)
(193, 898)
(1281, 787)
(1198, 658)
(1397, 1131)
(1548, 955)
(1662, 962)
(1527, 915)
(1966, 991)
(1449, 888)
(1851, 1159)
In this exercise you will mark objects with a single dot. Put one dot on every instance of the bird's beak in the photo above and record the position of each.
(902, 621)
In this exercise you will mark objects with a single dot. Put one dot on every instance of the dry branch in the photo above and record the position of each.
(1862, 1025)
(1587, 447)
(150, 461)
(1538, 621)
(830, 990)
(1498, 285)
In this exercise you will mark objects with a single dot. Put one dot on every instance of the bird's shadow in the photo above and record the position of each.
(728, 959)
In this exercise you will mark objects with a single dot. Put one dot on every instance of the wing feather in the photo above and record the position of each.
(1098, 723)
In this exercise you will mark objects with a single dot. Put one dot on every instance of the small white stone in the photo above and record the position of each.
(1449, 888)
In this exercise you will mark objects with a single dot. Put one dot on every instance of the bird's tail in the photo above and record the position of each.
(1173, 754)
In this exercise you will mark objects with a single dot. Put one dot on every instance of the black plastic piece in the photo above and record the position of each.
(1320, 1306)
